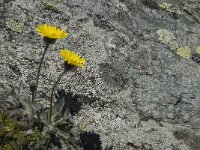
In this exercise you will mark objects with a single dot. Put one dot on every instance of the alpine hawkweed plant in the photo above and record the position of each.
(54, 120)
(50, 33)
(71, 61)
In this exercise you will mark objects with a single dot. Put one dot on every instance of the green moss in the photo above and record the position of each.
(7, 147)
(13, 137)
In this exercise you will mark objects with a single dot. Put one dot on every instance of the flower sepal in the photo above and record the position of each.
(69, 67)
(49, 40)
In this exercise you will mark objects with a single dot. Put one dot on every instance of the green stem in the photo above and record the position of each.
(38, 73)
(52, 93)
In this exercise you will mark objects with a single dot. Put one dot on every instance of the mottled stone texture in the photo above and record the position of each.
(137, 92)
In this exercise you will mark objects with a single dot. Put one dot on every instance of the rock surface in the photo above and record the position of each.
(138, 91)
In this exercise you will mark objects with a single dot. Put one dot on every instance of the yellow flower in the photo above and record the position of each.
(72, 58)
(51, 32)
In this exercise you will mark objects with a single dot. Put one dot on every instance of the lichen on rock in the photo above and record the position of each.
(198, 50)
(167, 38)
(16, 26)
(184, 52)
(169, 7)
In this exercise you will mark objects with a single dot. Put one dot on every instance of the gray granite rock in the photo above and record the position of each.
(138, 91)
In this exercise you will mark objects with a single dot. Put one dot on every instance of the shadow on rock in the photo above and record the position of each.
(90, 141)
(71, 102)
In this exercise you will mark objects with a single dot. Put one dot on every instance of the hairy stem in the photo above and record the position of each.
(52, 93)
(38, 73)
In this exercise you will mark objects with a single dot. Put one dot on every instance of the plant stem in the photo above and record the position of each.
(52, 93)
(38, 73)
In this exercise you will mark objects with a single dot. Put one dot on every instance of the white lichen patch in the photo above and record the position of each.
(122, 6)
(184, 52)
(15, 26)
(198, 50)
(167, 38)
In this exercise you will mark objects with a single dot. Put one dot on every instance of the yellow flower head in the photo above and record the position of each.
(51, 32)
(72, 58)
